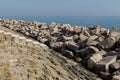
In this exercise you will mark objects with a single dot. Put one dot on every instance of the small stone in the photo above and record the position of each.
(67, 53)
(27, 33)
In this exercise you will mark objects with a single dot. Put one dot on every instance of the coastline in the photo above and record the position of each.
(88, 21)
(94, 47)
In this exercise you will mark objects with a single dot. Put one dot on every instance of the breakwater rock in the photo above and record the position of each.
(95, 47)
(22, 58)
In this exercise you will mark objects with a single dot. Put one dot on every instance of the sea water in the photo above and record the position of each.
(88, 21)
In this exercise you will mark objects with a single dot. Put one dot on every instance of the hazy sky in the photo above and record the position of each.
(59, 7)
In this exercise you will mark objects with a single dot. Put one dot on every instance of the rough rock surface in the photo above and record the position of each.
(26, 59)
(78, 43)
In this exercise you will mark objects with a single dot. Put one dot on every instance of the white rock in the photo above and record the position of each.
(93, 59)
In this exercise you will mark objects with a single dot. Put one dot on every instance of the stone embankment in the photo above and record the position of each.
(95, 47)
(25, 59)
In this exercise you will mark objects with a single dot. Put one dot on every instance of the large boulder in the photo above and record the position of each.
(92, 38)
(82, 37)
(43, 26)
(92, 43)
(106, 33)
(115, 34)
(95, 29)
(88, 51)
(65, 38)
(93, 59)
(116, 75)
(115, 66)
(102, 52)
(112, 53)
(108, 43)
(56, 45)
(54, 30)
(52, 25)
(101, 38)
(71, 45)
(65, 28)
(77, 29)
(117, 44)
(103, 65)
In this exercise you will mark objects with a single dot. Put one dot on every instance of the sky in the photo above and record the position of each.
(59, 7)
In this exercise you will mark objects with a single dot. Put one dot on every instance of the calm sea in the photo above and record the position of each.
(103, 21)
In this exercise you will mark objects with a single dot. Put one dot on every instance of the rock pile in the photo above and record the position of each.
(24, 59)
(95, 47)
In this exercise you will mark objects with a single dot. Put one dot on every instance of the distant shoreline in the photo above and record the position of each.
(88, 21)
